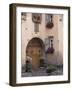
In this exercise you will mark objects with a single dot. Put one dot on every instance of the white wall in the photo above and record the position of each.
(28, 29)
(4, 45)
(60, 38)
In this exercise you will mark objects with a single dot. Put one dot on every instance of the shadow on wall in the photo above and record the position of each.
(56, 58)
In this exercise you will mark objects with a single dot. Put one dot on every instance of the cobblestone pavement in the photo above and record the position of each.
(42, 72)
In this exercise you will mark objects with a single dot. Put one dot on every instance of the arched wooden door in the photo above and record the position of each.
(35, 50)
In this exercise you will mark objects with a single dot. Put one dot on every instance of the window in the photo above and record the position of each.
(49, 20)
(36, 27)
(49, 44)
(36, 18)
(51, 41)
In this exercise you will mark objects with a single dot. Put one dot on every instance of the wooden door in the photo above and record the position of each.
(35, 51)
(36, 57)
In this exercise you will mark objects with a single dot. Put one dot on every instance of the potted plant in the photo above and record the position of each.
(50, 50)
(51, 68)
(49, 25)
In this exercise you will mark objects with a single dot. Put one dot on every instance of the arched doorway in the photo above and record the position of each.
(35, 50)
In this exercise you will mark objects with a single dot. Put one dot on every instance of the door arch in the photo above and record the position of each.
(35, 50)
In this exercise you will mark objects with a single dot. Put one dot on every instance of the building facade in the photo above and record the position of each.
(42, 38)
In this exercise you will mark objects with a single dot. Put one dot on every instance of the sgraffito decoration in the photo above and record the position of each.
(36, 18)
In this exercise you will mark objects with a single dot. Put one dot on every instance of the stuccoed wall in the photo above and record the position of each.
(28, 33)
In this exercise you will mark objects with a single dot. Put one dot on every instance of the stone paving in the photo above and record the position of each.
(42, 72)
